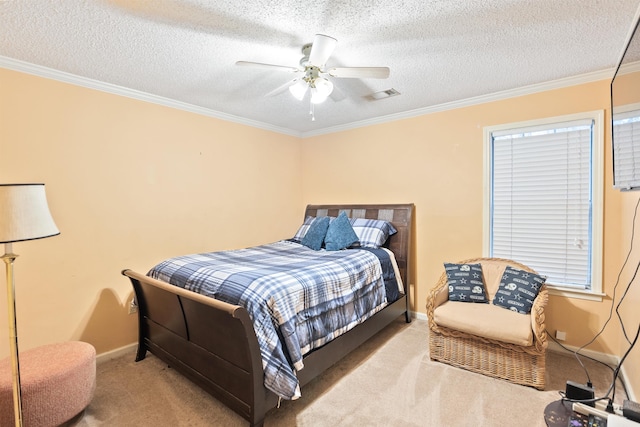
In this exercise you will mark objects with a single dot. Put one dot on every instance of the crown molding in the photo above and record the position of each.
(468, 102)
(62, 76)
(40, 71)
(628, 68)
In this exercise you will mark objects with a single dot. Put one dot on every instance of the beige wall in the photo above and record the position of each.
(436, 162)
(130, 183)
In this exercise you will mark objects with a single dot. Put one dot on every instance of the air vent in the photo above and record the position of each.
(384, 94)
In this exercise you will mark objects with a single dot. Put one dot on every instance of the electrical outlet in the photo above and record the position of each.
(561, 335)
(133, 308)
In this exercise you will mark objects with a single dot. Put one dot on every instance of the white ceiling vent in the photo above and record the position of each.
(384, 94)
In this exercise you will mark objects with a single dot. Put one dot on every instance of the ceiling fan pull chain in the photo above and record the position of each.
(312, 111)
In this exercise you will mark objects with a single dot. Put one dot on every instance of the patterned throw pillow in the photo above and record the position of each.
(518, 289)
(340, 234)
(466, 283)
(315, 236)
(372, 233)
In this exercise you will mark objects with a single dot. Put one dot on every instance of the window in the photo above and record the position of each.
(543, 199)
(626, 147)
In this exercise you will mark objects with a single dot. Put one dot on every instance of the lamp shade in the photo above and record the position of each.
(321, 89)
(24, 213)
(299, 89)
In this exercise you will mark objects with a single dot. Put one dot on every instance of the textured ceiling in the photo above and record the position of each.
(439, 51)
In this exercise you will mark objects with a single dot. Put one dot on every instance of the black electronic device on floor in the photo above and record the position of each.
(580, 392)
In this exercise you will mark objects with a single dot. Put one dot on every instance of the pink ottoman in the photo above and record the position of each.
(57, 383)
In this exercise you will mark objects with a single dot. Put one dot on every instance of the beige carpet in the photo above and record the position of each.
(388, 381)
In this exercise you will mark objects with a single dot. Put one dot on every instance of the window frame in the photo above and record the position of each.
(597, 194)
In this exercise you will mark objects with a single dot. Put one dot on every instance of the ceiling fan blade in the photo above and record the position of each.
(321, 49)
(267, 66)
(281, 88)
(360, 72)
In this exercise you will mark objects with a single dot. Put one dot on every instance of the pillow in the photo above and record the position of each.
(466, 282)
(340, 234)
(303, 228)
(518, 289)
(315, 235)
(372, 233)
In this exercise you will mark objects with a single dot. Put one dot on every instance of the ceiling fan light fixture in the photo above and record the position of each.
(324, 86)
(314, 77)
(317, 97)
(299, 89)
(320, 90)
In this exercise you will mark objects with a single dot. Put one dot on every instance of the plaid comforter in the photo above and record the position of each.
(298, 298)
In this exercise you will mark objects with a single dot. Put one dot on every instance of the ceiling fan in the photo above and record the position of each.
(312, 74)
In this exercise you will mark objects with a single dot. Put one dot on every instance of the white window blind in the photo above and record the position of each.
(626, 150)
(541, 199)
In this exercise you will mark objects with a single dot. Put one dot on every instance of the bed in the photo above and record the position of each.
(214, 343)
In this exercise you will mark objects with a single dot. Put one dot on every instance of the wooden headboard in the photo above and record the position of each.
(399, 215)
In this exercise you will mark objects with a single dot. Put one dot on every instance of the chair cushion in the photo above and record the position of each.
(485, 320)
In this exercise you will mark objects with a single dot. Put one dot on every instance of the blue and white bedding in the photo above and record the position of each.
(298, 298)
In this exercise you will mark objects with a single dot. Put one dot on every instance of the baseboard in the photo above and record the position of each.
(609, 359)
(419, 316)
(112, 354)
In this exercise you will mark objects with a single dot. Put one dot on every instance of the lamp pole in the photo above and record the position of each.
(8, 258)
(24, 215)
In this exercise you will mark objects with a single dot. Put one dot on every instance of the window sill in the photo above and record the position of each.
(575, 293)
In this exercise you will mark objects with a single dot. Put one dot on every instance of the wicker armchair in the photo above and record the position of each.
(520, 364)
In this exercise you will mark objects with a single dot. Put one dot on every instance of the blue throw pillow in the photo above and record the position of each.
(315, 235)
(340, 234)
(518, 289)
(466, 282)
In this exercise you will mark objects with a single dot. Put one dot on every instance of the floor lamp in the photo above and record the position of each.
(24, 215)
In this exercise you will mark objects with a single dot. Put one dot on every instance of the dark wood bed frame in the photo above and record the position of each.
(214, 345)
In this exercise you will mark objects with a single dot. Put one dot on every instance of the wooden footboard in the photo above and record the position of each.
(210, 342)
(214, 344)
